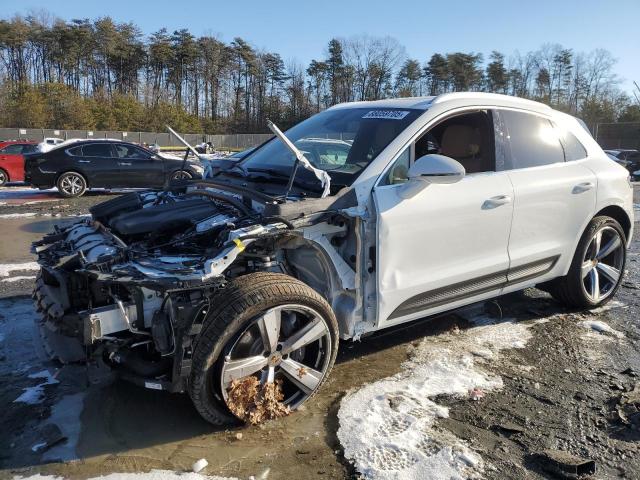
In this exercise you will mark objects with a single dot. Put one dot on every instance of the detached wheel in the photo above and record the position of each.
(4, 178)
(181, 175)
(71, 184)
(597, 267)
(268, 326)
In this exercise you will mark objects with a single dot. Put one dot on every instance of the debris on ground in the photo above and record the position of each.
(566, 465)
(628, 407)
(601, 327)
(476, 394)
(508, 428)
(199, 465)
(255, 403)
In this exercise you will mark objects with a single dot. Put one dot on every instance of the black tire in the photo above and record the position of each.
(181, 175)
(4, 177)
(570, 289)
(233, 309)
(71, 184)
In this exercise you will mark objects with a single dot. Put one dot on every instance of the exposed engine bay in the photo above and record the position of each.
(133, 284)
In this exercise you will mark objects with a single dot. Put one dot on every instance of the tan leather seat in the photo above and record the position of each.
(462, 143)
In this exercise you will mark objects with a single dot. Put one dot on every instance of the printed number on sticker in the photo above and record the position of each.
(387, 114)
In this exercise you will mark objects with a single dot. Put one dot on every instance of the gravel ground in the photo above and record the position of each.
(562, 391)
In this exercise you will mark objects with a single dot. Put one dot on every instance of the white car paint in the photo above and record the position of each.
(442, 237)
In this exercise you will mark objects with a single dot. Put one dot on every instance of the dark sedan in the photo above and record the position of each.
(77, 166)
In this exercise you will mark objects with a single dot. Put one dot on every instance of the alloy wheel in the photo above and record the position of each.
(288, 343)
(3, 178)
(71, 184)
(181, 175)
(602, 265)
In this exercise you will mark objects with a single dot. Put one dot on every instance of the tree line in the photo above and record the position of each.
(107, 75)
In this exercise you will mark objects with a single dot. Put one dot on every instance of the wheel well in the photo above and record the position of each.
(86, 180)
(618, 214)
(6, 173)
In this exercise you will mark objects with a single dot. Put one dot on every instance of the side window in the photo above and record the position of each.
(129, 151)
(13, 149)
(332, 155)
(29, 148)
(532, 140)
(97, 150)
(573, 149)
(399, 172)
(467, 138)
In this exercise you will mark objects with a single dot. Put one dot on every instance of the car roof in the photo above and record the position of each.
(461, 98)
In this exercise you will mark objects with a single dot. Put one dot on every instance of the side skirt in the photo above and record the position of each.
(471, 288)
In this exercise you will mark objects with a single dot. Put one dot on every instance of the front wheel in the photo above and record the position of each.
(597, 267)
(266, 347)
(4, 178)
(71, 184)
(181, 175)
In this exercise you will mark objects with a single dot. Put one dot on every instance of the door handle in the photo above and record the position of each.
(84, 161)
(582, 187)
(123, 164)
(494, 202)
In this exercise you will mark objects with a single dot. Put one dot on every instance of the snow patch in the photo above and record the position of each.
(601, 327)
(35, 395)
(609, 306)
(7, 268)
(388, 428)
(18, 215)
(18, 278)
(152, 475)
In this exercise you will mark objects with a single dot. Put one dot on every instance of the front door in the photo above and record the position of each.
(139, 168)
(447, 245)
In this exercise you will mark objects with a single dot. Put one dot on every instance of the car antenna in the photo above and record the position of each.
(320, 174)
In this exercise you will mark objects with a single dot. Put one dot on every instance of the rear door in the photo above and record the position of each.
(99, 164)
(139, 168)
(554, 199)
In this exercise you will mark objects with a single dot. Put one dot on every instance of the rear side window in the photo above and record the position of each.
(531, 140)
(97, 150)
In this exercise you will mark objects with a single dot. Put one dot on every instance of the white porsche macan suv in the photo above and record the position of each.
(364, 216)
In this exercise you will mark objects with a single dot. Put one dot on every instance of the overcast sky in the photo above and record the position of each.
(301, 29)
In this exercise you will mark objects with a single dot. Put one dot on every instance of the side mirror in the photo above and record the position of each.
(429, 169)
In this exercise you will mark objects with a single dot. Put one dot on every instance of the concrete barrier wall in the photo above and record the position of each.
(233, 141)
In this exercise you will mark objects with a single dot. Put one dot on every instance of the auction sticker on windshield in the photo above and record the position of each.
(387, 114)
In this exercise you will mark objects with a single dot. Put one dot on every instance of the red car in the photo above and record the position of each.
(12, 159)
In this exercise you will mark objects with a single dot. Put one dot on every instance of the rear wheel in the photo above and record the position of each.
(265, 330)
(4, 178)
(71, 184)
(597, 267)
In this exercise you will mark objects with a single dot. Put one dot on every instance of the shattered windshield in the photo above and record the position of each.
(342, 142)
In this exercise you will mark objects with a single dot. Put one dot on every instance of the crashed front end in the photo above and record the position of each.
(132, 284)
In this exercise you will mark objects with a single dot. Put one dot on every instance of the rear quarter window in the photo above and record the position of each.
(573, 149)
(75, 151)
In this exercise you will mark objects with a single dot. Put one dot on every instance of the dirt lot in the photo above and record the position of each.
(563, 389)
